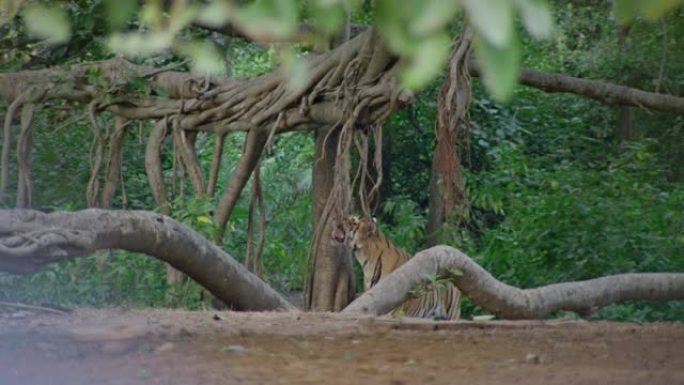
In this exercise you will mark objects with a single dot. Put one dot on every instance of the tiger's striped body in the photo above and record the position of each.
(379, 257)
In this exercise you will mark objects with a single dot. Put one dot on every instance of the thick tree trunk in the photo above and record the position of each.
(330, 285)
(31, 239)
(506, 301)
(331, 276)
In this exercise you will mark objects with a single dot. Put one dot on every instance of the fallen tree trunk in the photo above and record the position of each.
(31, 239)
(509, 302)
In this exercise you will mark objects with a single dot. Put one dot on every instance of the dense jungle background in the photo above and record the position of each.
(559, 187)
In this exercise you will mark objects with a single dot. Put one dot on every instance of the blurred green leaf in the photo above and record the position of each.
(536, 16)
(119, 12)
(499, 67)
(269, 18)
(151, 14)
(328, 18)
(205, 58)
(296, 68)
(426, 62)
(135, 44)
(626, 10)
(432, 16)
(492, 19)
(393, 19)
(47, 22)
(215, 13)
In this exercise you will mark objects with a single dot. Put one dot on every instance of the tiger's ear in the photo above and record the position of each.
(372, 228)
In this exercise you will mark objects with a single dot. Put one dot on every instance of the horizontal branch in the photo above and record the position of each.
(596, 89)
(218, 104)
(506, 301)
(31, 239)
(304, 32)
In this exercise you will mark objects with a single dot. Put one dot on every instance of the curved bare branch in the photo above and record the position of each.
(254, 146)
(506, 301)
(30, 239)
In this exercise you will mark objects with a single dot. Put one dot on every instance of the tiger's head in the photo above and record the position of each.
(353, 231)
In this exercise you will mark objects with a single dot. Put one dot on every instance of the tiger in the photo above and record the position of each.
(379, 257)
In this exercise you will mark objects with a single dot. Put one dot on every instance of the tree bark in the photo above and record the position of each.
(330, 284)
(506, 301)
(153, 168)
(331, 276)
(447, 190)
(24, 147)
(625, 126)
(254, 145)
(113, 162)
(155, 177)
(30, 239)
(17, 103)
(596, 89)
(215, 165)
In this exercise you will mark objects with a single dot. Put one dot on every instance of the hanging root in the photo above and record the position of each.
(253, 258)
(254, 146)
(452, 132)
(185, 152)
(24, 145)
(364, 109)
(113, 167)
(96, 155)
(215, 164)
(18, 102)
(153, 163)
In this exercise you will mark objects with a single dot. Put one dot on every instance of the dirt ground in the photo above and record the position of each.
(117, 346)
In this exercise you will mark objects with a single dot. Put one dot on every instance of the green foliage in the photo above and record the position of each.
(416, 30)
(576, 224)
(554, 194)
(500, 67)
(103, 279)
(409, 223)
(47, 22)
(627, 10)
